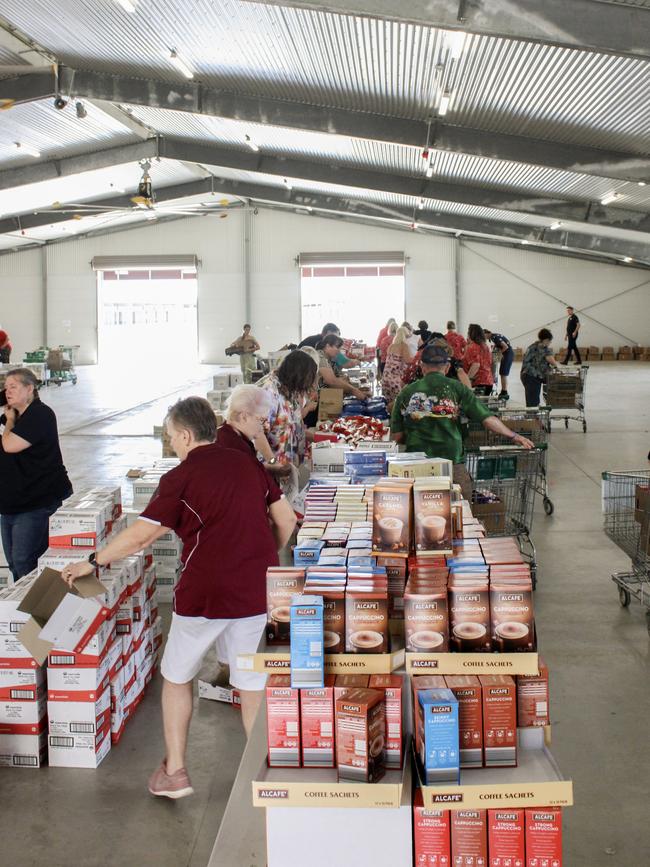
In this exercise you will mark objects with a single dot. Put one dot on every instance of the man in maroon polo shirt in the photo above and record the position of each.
(232, 521)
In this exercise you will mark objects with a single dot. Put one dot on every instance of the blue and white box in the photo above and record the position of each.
(307, 552)
(307, 649)
(439, 736)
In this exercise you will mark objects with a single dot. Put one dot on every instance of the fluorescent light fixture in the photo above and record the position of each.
(627, 258)
(27, 150)
(443, 108)
(455, 40)
(180, 64)
(555, 225)
(287, 184)
(430, 171)
(251, 144)
(128, 5)
(524, 242)
(421, 204)
(608, 198)
(640, 183)
(115, 189)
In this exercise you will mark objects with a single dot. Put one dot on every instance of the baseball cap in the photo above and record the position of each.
(432, 354)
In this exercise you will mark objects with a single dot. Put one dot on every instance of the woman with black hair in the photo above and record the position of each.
(477, 360)
(33, 480)
(537, 362)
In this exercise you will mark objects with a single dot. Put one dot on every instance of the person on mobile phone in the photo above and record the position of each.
(33, 479)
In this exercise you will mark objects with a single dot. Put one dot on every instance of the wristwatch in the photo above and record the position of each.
(92, 559)
(272, 461)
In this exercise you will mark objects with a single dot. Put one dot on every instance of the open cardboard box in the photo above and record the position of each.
(62, 618)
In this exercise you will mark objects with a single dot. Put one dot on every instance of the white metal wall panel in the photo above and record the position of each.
(21, 300)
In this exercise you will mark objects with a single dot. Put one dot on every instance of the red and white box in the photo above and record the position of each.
(469, 845)
(533, 698)
(317, 725)
(283, 722)
(544, 837)
(432, 834)
(22, 684)
(24, 750)
(467, 689)
(506, 838)
(78, 684)
(19, 717)
(499, 720)
(78, 526)
(79, 717)
(79, 750)
(115, 660)
(93, 652)
(391, 685)
(58, 558)
(118, 706)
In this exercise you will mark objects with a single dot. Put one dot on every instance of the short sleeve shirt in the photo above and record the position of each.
(571, 325)
(457, 343)
(498, 340)
(36, 477)
(229, 438)
(217, 502)
(285, 429)
(428, 411)
(480, 354)
(534, 362)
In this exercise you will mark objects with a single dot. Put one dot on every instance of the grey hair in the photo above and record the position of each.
(195, 415)
(26, 377)
(248, 398)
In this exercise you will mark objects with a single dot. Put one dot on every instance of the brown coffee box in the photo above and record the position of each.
(432, 516)
(467, 689)
(392, 515)
(533, 698)
(345, 682)
(506, 837)
(469, 617)
(499, 720)
(333, 615)
(366, 619)
(418, 682)
(469, 845)
(426, 619)
(317, 725)
(544, 837)
(392, 686)
(361, 736)
(431, 834)
(511, 616)
(282, 722)
(282, 584)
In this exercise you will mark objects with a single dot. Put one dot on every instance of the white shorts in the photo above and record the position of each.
(190, 638)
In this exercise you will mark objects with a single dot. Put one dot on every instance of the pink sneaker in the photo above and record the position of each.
(176, 785)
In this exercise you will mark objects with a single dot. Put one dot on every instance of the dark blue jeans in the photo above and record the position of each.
(24, 538)
(533, 389)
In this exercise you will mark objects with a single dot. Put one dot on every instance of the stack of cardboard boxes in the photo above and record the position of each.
(608, 353)
(625, 353)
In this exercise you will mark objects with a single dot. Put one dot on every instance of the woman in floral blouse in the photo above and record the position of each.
(538, 360)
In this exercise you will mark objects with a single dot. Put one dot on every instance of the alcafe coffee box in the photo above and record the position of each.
(317, 725)
(307, 652)
(366, 617)
(432, 511)
(499, 720)
(544, 837)
(511, 615)
(533, 698)
(469, 843)
(391, 685)
(431, 834)
(392, 517)
(469, 614)
(467, 689)
(283, 722)
(347, 682)
(361, 735)
(421, 682)
(282, 584)
(426, 618)
(333, 595)
(506, 838)
(439, 736)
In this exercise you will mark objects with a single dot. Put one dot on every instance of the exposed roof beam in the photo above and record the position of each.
(355, 208)
(319, 172)
(197, 99)
(568, 23)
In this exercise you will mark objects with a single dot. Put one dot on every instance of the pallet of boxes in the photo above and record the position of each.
(222, 386)
(74, 664)
(562, 389)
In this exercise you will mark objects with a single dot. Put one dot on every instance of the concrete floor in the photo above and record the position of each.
(597, 652)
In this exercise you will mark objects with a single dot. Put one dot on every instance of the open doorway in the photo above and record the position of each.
(146, 317)
(359, 298)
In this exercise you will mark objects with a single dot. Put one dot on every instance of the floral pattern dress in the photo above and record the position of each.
(391, 380)
(285, 429)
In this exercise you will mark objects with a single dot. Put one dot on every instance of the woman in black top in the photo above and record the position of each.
(33, 479)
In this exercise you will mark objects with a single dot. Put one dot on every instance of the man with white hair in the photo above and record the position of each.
(232, 521)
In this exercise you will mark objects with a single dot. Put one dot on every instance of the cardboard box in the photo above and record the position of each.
(512, 617)
(469, 844)
(431, 830)
(83, 526)
(283, 722)
(330, 403)
(20, 716)
(23, 750)
(426, 619)
(533, 698)
(392, 686)
(281, 585)
(392, 516)
(78, 684)
(361, 736)
(22, 684)
(491, 515)
(506, 838)
(544, 837)
(61, 617)
(317, 725)
(79, 750)
(307, 651)
(437, 722)
(366, 619)
(469, 617)
(499, 720)
(432, 516)
(79, 717)
(467, 689)
(346, 682)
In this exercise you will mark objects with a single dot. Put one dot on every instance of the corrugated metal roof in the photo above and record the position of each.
(641, 4)
(54, 132)
(531, 89)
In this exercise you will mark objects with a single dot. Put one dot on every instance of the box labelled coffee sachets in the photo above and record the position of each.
(437, 721)
(426, 618)
(469, 614)
(392, 516)
(283, 722)
(366, 617)
(511, 613)
(469, 843)
(391, 685)
(361, 735)
(317, 725)
(499, 720)
(431, 834)
(533, 698)
(506, 837)
(544, 836)
(432, 516)
(282, 584)
(467, 689)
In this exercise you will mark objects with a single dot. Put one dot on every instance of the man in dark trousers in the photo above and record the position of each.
(572, 329)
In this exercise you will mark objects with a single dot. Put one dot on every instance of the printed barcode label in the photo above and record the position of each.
(61, 660)
(83, 543)
(14, 627)
(82, 728)
(59, 741)
(21, 693)
(25, 761)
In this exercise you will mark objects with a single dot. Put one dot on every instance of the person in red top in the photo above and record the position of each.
(384, 343)
(455, 340)
(477, 360)
(5, 347)
(231, 521)
(384, 331)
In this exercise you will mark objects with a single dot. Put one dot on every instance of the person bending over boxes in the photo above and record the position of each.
(231, 520)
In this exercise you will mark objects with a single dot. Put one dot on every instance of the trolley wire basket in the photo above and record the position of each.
(564, 395)
(534, 424)
(626, 514)
(505, 480)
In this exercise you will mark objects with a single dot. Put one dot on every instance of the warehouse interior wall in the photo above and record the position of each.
(248, 270)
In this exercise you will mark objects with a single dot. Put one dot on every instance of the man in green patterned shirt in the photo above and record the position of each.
(426, 413)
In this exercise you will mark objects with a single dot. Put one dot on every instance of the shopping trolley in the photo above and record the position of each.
(626, 510)
(60, 363)
(565, 390)
(534, 424)
(505, 480)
